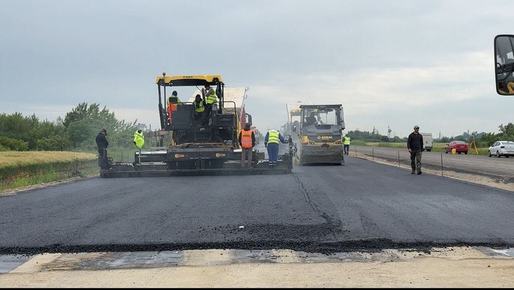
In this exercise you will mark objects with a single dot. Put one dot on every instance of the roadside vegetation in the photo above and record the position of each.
(34, 150)
(18, 169)
(75, 132)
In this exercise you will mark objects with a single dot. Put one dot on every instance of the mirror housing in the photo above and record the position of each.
(504, 64)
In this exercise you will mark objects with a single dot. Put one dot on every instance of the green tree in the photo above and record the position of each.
(85, 121)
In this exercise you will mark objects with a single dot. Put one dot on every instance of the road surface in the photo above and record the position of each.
(318, 208)
(490, 166)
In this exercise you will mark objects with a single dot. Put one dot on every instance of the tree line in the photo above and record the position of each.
(76, 131)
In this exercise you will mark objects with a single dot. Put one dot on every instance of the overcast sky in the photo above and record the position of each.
(399, 63)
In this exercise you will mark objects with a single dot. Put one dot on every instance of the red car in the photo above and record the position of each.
(459, 146)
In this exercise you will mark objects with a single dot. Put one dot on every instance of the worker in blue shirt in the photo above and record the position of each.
(271, 141)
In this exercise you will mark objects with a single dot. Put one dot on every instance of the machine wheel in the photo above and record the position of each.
(498, 154)
(466, 152)
(490, 155)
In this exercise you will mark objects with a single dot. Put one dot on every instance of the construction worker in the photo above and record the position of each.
(415, 146)
(346, 144)
(173, 101)
(139, 139)
(210, 100)
(271, 141)
(101, 144)
(199, 105)
(247, 142)
(139, 142)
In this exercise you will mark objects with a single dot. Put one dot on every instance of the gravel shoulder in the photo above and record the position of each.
(452, 267)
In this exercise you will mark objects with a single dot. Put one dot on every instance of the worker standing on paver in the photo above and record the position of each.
(139, 139)
(247, 142)
(199, 105)
(210, 100)
(101, 144)
(271, 141)
(346, 144)
(415, 146)
(173, 101)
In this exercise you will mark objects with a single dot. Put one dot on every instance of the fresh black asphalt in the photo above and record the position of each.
(362, 205)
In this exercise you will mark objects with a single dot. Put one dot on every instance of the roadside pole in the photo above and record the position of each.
(373, 153)
(399, 164)
(442, 165)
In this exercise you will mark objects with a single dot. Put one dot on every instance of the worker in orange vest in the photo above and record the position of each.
(247, 142)
(172, 106)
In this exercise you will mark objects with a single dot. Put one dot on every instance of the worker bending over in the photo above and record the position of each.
(271, 141)
(247, 142)
(199, 105)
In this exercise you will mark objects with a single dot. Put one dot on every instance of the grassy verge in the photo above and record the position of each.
(437, 147)
(18, 169)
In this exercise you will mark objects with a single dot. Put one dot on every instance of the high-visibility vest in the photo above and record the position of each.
(211, 98)
(246, 139)
(139, 138)
(273, 137)
(346, 140)
(199, 107)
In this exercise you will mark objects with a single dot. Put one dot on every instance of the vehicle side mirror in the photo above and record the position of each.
(504, 62)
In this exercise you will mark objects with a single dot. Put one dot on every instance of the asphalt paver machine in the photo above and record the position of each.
(198, 146)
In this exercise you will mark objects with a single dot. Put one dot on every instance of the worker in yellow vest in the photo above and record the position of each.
(199, 105)
(346, 144)
(210, 100)
(271, 141)
(139, 139)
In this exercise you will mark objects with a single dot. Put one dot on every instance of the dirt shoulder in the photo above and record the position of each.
(455, 267)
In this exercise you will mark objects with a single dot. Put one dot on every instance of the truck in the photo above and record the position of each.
(191, 146)
(316, 131)
(427, 141)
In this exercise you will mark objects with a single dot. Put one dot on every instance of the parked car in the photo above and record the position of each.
(459, 146)
(502, 148)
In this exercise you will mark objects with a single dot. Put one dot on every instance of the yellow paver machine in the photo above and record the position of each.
(194, 143)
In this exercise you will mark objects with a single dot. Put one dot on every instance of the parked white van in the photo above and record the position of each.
(427, 141)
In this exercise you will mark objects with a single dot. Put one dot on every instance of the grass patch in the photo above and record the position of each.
(19, 169)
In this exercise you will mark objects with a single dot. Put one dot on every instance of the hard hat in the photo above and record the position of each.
(416, 127)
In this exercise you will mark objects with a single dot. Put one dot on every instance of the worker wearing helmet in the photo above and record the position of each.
(271, 141)
(247, 142)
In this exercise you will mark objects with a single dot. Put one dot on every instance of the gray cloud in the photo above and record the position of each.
(64, 52)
